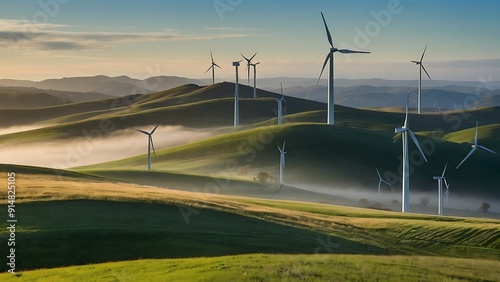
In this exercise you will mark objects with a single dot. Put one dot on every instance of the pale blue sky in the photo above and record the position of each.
(174, 37)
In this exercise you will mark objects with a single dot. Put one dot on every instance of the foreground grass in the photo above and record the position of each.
(263, 267)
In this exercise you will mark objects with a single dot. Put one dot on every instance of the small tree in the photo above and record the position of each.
(262, 176)
(484, 207)
(424, 201)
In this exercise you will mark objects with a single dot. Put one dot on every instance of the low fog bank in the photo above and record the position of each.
(455, 205)
(84, 151)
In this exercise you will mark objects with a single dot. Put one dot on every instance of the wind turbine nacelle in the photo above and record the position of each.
(399, 130)
(437, 177)
(236, 64)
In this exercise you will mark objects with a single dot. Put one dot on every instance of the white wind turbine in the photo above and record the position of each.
(150, 143)
(421, 67)
(329, 57)
(282, 161)
(474, 148)
(380, 180)
(236, 97)
(249, 63)
(280, 106)
(440, 180)
(255, 79)
(405, 131)
(212, 67)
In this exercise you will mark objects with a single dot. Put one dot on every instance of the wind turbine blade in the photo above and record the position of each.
(417, 144)
(385, 182)
(327, 31)
(422, 66)
(253, 56)
(281, 84)
(423, 54)
(406, 117)
(475, 138)
(142, 131)
(152, 145)
(244, 58)
(466, 157)
(217, 66)
(323, 69)
(345, 51)
(281, 151)
(154, 129)
(380, 177)
(415, 62)
(209, 68)
(284, 143)
(486, 149)
(397, 137)
(211, 56)
(446, 183)
(444, 171)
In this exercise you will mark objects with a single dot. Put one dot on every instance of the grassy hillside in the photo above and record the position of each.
(62, 214)
(262, 267)
(322, 158)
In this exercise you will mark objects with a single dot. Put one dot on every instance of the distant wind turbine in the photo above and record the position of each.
(150, 143)
(236, 97)
(282, 161)
(329, 57)
(280, 106)
(249, 63)
(380, 180)
(474, 148)
(440, 180)
(212, 67)
(255, 79)
(405, 131)
(421, 67)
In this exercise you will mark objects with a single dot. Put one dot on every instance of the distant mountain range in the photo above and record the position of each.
(359, 93)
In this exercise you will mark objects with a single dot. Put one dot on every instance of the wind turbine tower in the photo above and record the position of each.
(329, 57)
(150, 143)
(255, 79)
(405, 131)
(282, 161)
(280, 106)
(440, 180)
(236, 97)
(421, 67)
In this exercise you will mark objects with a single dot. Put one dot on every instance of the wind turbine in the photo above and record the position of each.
(440, 180)
(282, 161)
(421, 67)
(255, 79)
(474, 148)
(236, 97)
(150, 143)
(405, 131)
(380, 180)
(213, 68)
(329, 57)
(280, 106)
(249, 63)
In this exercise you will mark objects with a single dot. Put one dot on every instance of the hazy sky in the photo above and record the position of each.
(174, 37)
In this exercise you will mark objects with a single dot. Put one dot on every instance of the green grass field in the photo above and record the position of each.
(265, 267)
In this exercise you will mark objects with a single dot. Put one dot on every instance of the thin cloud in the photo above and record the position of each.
(24, 35)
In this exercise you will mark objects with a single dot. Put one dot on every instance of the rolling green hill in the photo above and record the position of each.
(321, 158)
